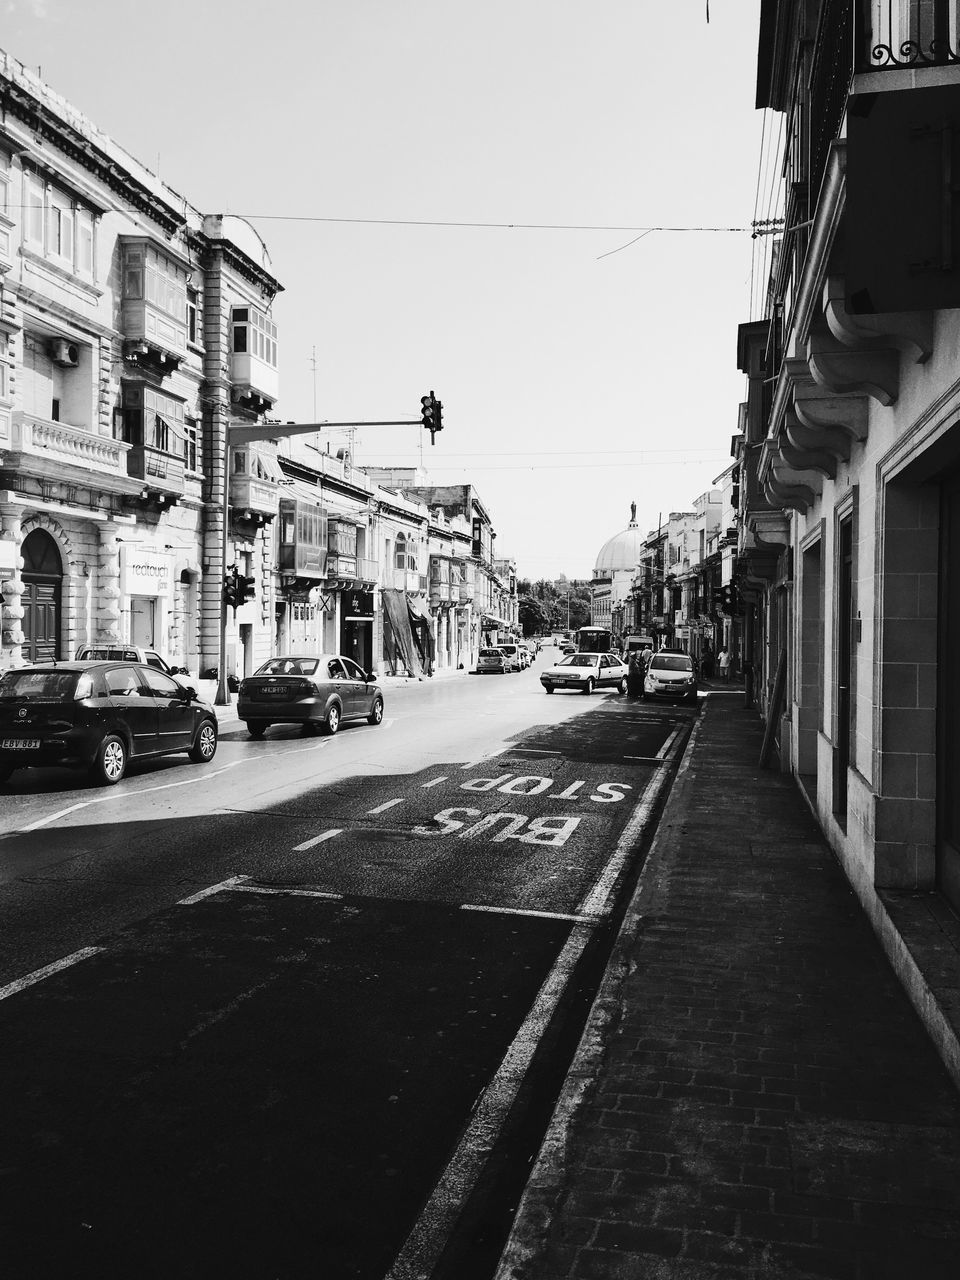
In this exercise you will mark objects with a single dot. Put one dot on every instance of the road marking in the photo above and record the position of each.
(324, 835)
(597, 901)
(540, 751)
(382, 808)
(644, 759)
(127, 795)
(214, 888)
(435, 782)
(668, 745)
(522, 911)
(425, 1243)
(289, 893)
(38, 975)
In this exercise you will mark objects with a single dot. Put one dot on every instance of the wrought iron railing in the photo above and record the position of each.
(913, 33)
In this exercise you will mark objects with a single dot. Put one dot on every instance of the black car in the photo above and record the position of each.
(98, 716)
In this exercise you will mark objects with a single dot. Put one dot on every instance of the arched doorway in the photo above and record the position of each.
(42, 577)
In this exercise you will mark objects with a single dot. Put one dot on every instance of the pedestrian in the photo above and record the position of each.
(724, 662)
(706, 665)
(635, 670)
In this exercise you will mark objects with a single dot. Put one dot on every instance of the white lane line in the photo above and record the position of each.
(521, 911)
(116, 796)
(644, 759)
(435, 782)
(598, 901)
(382, 808)
(287, 893)
(540, 751)
(38, 975)
(668, 745)
(425, 1243)
(222, 887)
(324, 835)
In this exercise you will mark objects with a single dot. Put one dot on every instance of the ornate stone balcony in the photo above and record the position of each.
(75, 455)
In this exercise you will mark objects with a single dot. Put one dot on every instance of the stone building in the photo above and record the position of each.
(849, 553)
(132, 330)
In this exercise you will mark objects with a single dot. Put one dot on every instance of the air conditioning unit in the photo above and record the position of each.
(65, 353)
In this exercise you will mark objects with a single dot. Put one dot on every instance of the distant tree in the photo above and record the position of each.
(531, 615)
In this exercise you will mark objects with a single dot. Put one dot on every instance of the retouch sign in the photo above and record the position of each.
(547, 829)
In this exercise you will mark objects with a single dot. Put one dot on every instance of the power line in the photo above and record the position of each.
(502, 226)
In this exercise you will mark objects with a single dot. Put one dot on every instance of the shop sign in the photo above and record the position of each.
(144, 572)
(357, 605)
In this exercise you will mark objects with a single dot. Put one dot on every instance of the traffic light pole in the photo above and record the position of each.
(243, 433)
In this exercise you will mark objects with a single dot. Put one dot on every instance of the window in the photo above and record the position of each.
(190, 438)
(57, 227)
(194, 318)
(151, 419)
(122, 682)
(400, 554)
(5, 184)
(161, 686)
(254, 333)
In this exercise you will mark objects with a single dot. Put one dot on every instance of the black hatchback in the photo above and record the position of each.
(98, 716)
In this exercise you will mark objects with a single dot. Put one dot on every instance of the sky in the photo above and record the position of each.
(583, 362)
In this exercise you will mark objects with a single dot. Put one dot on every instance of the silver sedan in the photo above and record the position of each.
(585, 672)
(315, 691)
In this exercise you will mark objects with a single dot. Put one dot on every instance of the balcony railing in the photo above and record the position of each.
(905, 33)
(353, 567)
(73, 446)
(249, 493)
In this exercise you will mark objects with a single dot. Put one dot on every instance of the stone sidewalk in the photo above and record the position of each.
(753, 1096)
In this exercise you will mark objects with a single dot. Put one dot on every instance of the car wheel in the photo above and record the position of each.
(549, 688)
(622, 686)
(110, 763)
(205, 745)
(6, 772)
(256, 728)
(588, 687)
(332, 723)
(376, 712)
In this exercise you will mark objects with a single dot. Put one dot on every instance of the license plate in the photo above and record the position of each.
(275, 691)
(20, 744)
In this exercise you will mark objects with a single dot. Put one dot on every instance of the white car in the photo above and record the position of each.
(512, 653)
(670, 675)
(584, 672)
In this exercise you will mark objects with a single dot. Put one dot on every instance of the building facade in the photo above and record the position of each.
(849, 553)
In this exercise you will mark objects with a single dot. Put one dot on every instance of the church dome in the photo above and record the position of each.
(623, 550)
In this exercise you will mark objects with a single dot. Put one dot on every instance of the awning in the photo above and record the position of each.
(395, 605)
(422, 624)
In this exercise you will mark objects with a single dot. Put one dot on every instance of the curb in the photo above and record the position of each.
(544, 1189)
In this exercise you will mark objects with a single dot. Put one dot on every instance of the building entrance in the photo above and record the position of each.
(42, 580)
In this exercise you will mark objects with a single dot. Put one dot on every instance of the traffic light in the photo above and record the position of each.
(431, 414)
(245, 589)
(731, 603)
(230, 586)
(718, 599)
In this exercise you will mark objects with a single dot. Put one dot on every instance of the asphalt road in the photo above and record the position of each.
(283, 1016)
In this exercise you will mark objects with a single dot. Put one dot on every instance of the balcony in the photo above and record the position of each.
(157, 469)
(58, 451)
(249, 493)
(408, 580)
(467, 591)
(351, 569)
(442, 592)
(907, 34)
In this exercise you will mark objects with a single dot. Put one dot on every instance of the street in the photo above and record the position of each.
(304, 1011)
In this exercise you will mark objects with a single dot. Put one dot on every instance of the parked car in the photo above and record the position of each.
(512, 652)
(316, 692)
(585, 672)
(670, 675)
(99, 716)
(492, 660)
(126, 653)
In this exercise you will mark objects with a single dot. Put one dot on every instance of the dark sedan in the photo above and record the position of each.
(316, 692)
(98, 716)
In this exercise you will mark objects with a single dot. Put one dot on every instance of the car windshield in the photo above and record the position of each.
(580, 660)
(41, 685)
(289, 667)
(670, 662)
